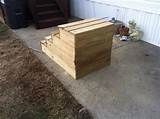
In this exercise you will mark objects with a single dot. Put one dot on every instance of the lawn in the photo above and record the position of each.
(27, 89)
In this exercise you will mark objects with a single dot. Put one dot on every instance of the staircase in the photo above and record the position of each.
(48, 13)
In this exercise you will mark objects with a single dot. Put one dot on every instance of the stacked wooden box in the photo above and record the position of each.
(81, 47)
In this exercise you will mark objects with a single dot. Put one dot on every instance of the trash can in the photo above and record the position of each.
(15, 13)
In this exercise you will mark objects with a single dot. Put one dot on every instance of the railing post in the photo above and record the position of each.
(64, 7)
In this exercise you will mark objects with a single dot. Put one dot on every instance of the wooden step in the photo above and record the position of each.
(46, 7)
(81, 47)
(59, 61)
(49, 14)
(50, 22)
(45, 1)
(81, 70)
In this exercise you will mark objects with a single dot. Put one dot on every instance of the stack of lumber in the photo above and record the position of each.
(81, 47)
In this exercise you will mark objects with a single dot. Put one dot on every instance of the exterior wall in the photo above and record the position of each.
(148, 21)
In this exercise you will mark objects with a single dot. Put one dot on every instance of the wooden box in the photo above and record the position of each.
(81, 47)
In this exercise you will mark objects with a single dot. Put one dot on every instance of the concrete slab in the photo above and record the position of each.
(127, 89)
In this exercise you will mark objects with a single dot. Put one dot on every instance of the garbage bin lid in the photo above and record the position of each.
(2, 1)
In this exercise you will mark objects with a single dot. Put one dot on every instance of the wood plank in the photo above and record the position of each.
(92, 67)
(81, 47)
(76, 23)
(67, 36)
(80, 22)
(84, 25)
(99, 56)
(94, 38)
(66, 40)
(87, 38)
(62, 46)
(60, 62)
(90, 28)
(80, 55)
(78, 72)
(63, 55)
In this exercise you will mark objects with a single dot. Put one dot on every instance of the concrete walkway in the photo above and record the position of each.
(128, 89)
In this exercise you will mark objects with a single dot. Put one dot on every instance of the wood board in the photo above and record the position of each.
(81, 47)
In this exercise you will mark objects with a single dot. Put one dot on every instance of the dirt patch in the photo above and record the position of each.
(28, 90)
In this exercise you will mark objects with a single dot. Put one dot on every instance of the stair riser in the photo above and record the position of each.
(48, 16)
(49, 8)
(45, 1)
(49, 24)
(47, 13)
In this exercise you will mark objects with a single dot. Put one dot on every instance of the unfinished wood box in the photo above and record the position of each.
(81, 47)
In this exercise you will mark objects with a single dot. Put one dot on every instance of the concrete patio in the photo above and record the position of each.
(128, 89)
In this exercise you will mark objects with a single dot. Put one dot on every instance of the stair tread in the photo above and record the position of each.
(46, 5)
(52, 19)
(48, 12)
(45, 1)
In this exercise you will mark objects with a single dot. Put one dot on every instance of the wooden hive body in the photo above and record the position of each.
(81, 47)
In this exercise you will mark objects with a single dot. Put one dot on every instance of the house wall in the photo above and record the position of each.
(146, 14)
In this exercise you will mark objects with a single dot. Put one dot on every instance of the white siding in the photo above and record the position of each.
(149, 22)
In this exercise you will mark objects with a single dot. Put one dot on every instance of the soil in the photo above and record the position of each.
(28, 90)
